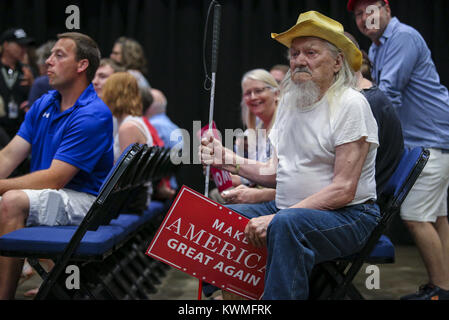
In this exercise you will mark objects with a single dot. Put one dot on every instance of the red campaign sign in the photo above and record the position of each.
(222, 178)
(206, 240)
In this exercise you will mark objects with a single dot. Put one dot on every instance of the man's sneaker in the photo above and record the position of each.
(428, 292)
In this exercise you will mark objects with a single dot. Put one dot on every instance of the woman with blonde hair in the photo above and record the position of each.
(122, 95)
(260, 95)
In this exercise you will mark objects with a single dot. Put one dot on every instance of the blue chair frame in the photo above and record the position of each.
(106, 240)
(333, 280)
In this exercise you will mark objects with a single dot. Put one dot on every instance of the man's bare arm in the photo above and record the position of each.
(56, 177)
(349, 161)
(261, 173)
(12, 155)
(244, 194)
(213, 153)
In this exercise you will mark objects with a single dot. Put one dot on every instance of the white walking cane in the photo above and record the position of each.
(215, 41)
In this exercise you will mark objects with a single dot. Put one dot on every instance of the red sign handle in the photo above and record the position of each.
(200, 289)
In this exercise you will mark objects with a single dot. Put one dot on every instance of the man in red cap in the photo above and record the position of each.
(369, 23)
(404, 70)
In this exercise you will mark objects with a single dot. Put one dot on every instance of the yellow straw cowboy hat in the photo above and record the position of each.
(315, 24)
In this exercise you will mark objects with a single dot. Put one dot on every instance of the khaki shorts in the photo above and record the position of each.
(62, 207)
(427, 199)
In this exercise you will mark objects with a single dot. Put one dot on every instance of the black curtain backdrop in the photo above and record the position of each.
(171, 32)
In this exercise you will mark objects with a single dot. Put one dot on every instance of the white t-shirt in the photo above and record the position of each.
(261, 149)
(305, 142)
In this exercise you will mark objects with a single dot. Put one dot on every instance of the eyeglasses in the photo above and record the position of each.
(257, 92)
(359, 14)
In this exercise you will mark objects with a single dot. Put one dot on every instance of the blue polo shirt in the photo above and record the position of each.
(80, 136)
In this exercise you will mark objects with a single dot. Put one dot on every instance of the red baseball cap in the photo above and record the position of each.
(352, 3)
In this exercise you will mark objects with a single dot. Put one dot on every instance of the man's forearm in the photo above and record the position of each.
(9, 163)
(42, 179)
(265, 194)
(261, 173)
(12, 155)
(213, 153)
(393, 95)
(332, 197)
(7, 166)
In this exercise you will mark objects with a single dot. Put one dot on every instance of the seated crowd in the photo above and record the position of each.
(322, 139)
(72, 120)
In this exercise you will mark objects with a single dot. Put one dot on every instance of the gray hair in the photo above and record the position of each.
(159, 104)
(261, 75)
(345, 78)
(44, 52)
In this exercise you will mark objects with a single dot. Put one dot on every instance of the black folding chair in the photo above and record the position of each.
(333, 280)
(102, 211)
(158, 168)
(93, 240)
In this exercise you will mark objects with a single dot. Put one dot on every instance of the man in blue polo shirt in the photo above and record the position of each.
(404, 70)
(69, 135)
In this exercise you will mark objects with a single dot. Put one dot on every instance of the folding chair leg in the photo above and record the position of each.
(96, 280)
(56, 290)
(135, 285)
(108, 282)
(38, 267)
(143, 272)
(353, 293)
(84, 291)
(335, 272)
(117, 274)
(150, 264)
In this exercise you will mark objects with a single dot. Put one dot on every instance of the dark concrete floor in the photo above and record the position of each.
(400, 278)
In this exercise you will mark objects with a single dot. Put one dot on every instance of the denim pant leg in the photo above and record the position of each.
(300, 238)
(254, 210)
(250, 211)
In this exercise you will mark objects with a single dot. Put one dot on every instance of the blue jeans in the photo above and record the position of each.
(298, 239)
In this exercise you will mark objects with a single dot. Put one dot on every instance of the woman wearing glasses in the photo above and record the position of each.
(260, 95)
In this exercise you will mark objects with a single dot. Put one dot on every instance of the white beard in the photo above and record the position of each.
(301, 95)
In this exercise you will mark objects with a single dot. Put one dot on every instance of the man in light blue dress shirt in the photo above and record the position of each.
(169, 132)
(159, 119)
(404, 70)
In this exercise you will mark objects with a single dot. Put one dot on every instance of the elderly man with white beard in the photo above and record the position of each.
(323, 168)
